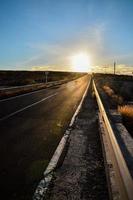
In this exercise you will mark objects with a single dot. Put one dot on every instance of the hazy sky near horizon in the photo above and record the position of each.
(37, 33)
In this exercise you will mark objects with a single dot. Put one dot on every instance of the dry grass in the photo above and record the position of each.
(127, 116)
(110, 92)
(18, 78)
(126, 111)
(120, 84)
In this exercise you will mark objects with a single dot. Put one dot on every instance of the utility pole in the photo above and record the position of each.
(114, 68)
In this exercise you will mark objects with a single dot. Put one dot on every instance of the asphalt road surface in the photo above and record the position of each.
(31, 126)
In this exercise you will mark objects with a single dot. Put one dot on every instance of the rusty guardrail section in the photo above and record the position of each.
(123, 179)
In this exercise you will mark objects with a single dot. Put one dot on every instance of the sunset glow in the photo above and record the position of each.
(81, 62)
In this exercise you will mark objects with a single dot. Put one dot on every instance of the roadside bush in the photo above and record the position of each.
(126, 111)
(110, 92)
(126, 91)
(127, 116)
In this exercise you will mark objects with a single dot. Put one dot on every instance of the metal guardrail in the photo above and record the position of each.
(28, 86)
(36, 84)
(124, 180)
(17, 87)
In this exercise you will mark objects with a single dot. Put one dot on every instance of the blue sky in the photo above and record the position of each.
(43, 34)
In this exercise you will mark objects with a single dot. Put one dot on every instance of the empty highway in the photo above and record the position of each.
(31, 126)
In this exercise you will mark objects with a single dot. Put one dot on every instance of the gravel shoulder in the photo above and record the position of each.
(82, 175)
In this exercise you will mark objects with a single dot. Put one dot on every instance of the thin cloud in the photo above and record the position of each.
(56, 56)
(89, 40)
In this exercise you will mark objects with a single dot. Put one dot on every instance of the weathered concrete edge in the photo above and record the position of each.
(44, 184)
(124, 138)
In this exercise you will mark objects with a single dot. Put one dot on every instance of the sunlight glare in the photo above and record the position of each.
(81, 62)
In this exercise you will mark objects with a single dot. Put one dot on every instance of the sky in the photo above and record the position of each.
(44, 34)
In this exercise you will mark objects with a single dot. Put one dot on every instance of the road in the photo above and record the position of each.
(82, 174)
(31, 127)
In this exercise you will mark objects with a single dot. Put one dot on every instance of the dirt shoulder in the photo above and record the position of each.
(82, 175)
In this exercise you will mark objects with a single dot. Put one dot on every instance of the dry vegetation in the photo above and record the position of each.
(16, 78)
(116, 98)
(119, 94)
(119, 87)
(126, 111)
(127, 115)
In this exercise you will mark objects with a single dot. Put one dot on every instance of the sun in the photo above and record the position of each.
(80, 62)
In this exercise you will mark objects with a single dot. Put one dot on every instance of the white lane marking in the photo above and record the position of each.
(17, 87)
(29, 106)
(30, 85)
(28, 93)
(36, 91)
(22, 95)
